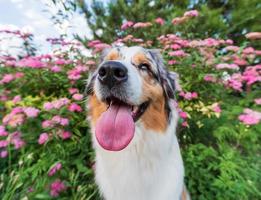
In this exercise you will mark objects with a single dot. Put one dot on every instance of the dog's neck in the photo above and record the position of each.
(150, 167)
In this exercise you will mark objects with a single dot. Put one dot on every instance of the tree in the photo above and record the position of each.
(218, 18)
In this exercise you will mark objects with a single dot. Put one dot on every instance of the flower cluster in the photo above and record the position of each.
(250, 117)
(186, 16)
(188, 95)
(57, 187)
(18, 115)
(7, 78)
(54, 169)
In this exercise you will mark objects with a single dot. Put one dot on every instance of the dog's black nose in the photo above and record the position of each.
(112, 73)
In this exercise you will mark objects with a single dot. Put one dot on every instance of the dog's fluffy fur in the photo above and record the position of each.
(150, 167)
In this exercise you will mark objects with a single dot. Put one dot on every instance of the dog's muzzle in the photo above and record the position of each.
(112, 73)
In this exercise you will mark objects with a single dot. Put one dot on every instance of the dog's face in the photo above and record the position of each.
(130, 85)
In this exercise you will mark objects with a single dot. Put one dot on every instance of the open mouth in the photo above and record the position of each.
(136, 111)
(115, 127)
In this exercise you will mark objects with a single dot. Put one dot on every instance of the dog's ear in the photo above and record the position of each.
(166, 78)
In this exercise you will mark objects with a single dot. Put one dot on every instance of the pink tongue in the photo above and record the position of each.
(115, 128)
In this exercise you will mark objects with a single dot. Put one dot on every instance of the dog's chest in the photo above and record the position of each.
(151, 169)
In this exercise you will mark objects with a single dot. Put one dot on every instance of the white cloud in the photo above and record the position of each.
(39, 23)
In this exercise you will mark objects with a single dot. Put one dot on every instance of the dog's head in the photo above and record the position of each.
(131, 85)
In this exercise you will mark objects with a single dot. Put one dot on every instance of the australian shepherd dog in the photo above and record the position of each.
(133, 120)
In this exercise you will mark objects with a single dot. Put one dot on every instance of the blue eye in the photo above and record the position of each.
(144, 66)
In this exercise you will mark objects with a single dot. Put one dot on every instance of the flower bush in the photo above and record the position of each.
(45, 141)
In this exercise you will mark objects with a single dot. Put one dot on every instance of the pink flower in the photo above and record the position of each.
(172, 62)
(189, 95)
(54, 169)
(209, 78)
(60, 120)
(48, 106)
(138, 40)
(57, 187)
(126, 25)
(77, 97)
(16, 140)
(64, 122)
(178, 53)
(229, 42)
(227, 66)
(258, 52)
(17, 110)
(57, 104)
(194, 95)
(13, 120)
(56, 68)
(210, 42)
(31, 112)
(257, 101)
(33, 62)
(160, 21)
(19, 75)
(73, 90)
(16, 99)
(18, 143)
(185, 124)
(251, 74)
(61, 61)
(3, 132)
(191, 13)
(74, 74)
(47, 124)
(65, 135)
(142, 25)
(216, 108)
(240, 62)
(253, 36)
(183, 115)
(232, 48)
(3, 154)
(30, 189)
(7, 78)
(100, 47)
(175, 46)
(249, 50)
(178, 20)
(235, 82)
(74, 108)
(3, 143)
(93, 42)
(90, 62)
(250, 117)
(43, 138)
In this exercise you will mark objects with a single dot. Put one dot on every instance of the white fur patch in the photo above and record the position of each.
(149, 168)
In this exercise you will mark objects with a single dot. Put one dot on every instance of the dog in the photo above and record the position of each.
(133, 120)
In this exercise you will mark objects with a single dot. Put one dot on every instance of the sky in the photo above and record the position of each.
(35, 16)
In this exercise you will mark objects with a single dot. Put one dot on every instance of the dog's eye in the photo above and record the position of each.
(144, 66)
